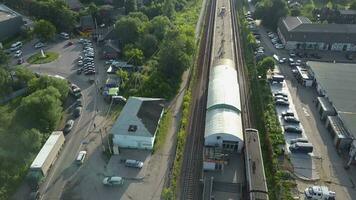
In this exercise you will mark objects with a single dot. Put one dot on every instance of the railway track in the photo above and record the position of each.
(193, 153)
(241, 70)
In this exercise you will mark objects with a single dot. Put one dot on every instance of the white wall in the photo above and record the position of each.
(213, 140)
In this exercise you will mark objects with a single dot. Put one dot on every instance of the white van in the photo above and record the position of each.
(81, 156)
(16, 46)
(134, 164)
(64, 35)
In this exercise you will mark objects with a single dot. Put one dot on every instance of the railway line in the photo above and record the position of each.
(192, 162)
(190, 186)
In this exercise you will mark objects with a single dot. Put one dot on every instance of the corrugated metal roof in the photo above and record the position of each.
(223, 121)
(338, 127)
(223, 88)
(325, 104)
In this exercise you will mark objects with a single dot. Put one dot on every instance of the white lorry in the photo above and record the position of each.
(319, 193)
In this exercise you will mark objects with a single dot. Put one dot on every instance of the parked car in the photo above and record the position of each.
(69, 125)
(16, 46)
(281, 98)
(18, 54)
(64, 35)
(291, 119)
(301, 147)
(349, 56)
(281, 102)
(292, 129)
(39, 45)
(292, 54)
(280, 94)
(134, 163)
(319, 193)
(77, 111)
(302, 140)
(113, 180)
(78, 102)
(287, 113)
(279, 46)
(81, 156)
(20, 61)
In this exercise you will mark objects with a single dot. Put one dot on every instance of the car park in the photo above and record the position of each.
(68, 127)
(292, 129)
(113, 180)
(133, 163)
(80, 157)
(302, 140)
(287, 113)
(291, 119)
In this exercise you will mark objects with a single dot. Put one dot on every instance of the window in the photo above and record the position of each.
(132, 128)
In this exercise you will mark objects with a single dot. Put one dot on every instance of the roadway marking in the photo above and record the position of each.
(306, 113)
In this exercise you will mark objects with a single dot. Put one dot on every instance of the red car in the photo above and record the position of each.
(69, 43)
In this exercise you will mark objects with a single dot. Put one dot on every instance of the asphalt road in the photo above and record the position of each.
(64, 168)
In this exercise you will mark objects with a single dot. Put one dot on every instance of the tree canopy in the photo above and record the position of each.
(45, 81)
(129, 29)
(44, 30)
(270, 11)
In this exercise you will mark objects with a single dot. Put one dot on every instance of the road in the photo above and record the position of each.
(64, 168)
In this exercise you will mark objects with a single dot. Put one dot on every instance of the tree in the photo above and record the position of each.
(353, 5)
(93, 10)
(295, 12)
(124, 77)
(5, 82)
(153, 9)
(44, 30)
(44, 82)
(23, 75)
(251, 41)
(265, 65)
(159, 26)
(130, 6)
(133, 55)
(270, 11)
(4, 58)
(148, 45)
(129, 29)
(168, 8)
(47, 106)
(139, 15)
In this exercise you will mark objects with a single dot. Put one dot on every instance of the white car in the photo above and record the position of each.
(18, 53)
(279, 46)
(113, 180)
(317, 192)
(39, 45)
(81, 156)
(64, 35)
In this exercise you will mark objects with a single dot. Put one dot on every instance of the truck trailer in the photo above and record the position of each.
(48, 154)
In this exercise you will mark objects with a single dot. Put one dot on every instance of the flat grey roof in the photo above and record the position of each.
(255, 172)
(338, 81)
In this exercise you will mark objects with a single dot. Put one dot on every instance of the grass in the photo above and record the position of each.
(38, 59)
(163, 130)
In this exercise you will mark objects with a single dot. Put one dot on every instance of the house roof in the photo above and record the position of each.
(140, 117)
(73, 4)
(338, 81)
(87, 22)
(347, 12)
(302, 29)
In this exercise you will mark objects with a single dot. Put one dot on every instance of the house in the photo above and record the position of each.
(301, 33)
(137, 125)
(347, 17)
(11, 22)
(87, 23)
(110, 50)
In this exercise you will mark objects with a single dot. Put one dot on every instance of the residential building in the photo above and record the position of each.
(11, 22)
(347, 17)
(137, 125)
(87, 23)
(301, 33)
(74, 5)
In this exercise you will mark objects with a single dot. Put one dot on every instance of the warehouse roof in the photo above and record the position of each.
(223, 87)
(302, 29)
(338, 81)
(140, 117)
(223, 121)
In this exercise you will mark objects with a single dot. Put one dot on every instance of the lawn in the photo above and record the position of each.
(38, 59)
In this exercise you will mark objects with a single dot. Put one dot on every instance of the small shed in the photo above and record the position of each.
(341, 137)
(137, 125)
(324, 108)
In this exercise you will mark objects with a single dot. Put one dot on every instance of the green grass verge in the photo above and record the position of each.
(163, 130)
(38, 59)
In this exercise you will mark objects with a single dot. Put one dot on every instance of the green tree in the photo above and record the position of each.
(148, 45)
(130, 6)
(129, 29)
(44, 30)
(270, 11)
(353, 5)
(251, 41)
(5, 82)
(153, 9)
(295, 12)
(168, 8)
(4, 58)
(139, 15)
(44, 82)
(124, 77)
(47, 106)
(93, 10)
(264, 65)
(159, 26)
(133, 55)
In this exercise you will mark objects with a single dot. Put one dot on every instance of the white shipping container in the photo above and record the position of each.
(48, 153)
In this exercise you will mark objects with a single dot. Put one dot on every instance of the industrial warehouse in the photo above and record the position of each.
(335, 84)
